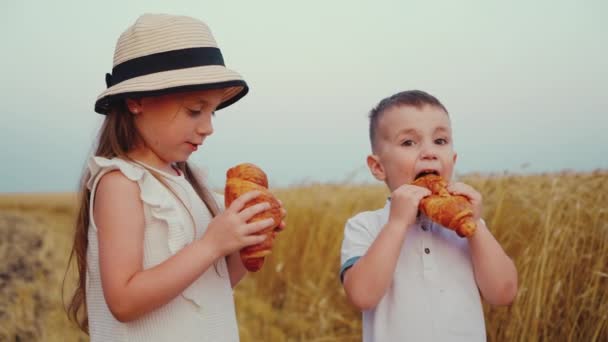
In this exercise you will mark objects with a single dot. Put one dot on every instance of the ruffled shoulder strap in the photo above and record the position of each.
(98, 166)
(159, 199)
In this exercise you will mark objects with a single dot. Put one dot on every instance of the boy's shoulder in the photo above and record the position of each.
(370, 219)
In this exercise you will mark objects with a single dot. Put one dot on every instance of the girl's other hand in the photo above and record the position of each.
(281, 226)
(229, 231)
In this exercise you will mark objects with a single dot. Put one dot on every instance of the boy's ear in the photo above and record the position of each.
(134, 105)
(373, 163)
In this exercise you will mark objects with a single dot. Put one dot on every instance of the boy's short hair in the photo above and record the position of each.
(414, 98)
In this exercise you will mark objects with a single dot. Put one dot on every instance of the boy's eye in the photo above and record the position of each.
(408, 143)
(441, 141)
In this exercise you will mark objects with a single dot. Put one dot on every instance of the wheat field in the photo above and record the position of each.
(555, 226)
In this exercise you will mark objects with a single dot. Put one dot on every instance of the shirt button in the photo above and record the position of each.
(424, 227)
(427, 251)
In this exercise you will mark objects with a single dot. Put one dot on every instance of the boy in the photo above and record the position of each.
(413, 279)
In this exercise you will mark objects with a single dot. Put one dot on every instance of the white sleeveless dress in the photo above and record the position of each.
(205, 310)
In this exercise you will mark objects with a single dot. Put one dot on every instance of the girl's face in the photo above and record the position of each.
(173, 126)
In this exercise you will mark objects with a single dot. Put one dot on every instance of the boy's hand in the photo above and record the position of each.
(404, 204)
(471, 194)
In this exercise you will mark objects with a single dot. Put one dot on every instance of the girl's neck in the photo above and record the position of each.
(149, 158)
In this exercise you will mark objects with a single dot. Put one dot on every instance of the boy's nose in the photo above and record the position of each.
(428, 153)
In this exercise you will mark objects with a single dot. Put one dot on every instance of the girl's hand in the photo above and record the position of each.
(404, 204)
(281, 226)
(471, 194)
(229, 231)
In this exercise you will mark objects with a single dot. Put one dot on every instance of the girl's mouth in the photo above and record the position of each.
(194, 147)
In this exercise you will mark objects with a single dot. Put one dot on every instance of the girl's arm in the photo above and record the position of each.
(236, 269)
(495, 272)
(130, 291)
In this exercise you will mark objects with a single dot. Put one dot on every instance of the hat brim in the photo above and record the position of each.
(175, 81)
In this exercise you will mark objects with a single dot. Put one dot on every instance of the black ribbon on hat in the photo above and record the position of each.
(164, 61)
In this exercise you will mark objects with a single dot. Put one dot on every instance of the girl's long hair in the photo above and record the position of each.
(117, 136)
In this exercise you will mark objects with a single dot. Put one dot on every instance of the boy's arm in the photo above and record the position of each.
(495, 272)
(367, 280)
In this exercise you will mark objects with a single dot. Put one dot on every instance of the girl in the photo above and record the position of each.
(157, 255)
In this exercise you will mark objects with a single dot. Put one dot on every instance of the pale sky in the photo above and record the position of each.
(525, 83)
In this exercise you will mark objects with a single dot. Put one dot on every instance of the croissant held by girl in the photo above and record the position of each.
(244, 178)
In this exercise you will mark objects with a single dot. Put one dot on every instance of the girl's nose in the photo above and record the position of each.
(205, 125)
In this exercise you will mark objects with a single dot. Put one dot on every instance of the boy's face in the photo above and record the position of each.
(411, 142)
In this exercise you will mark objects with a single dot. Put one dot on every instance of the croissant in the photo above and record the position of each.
(239, 180)
(451, 211)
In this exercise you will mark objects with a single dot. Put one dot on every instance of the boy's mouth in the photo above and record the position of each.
(426, 172)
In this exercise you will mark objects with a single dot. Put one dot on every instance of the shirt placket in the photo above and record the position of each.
(428, 259)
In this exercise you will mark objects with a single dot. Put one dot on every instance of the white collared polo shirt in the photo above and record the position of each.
(433, 295)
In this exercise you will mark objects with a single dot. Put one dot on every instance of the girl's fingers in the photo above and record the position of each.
(254, 239)
(250, 212)
(239, 203)
(257, 226)
(280, 227)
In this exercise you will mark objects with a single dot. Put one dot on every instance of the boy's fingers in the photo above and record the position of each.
(458, 188)
(464, 190)
(423, 192)
(453, 187)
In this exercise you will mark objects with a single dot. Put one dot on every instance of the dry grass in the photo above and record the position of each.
(555, 226)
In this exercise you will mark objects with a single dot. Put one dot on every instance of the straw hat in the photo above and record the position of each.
(162, 54)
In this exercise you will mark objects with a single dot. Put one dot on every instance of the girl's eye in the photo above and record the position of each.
(194, 112)
(441, 141)
(408, 143)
